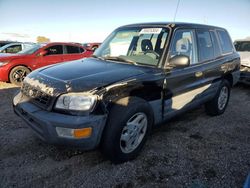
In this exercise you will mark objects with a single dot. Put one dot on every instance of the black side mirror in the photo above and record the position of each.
(179, 61)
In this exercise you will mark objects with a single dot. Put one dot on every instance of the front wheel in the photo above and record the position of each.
(17, 74)
(129, 124)
(219, 103)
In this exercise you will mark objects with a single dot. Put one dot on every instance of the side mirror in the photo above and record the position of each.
(43, 53)
(179, 61)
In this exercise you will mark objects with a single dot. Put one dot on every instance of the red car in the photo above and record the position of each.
(14, 68)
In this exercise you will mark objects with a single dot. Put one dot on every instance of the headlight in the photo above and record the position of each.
(3, 63)
(76, 101)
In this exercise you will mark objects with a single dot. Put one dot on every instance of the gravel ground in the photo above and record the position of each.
(192, 150)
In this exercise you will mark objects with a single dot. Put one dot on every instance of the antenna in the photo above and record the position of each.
(176, 9)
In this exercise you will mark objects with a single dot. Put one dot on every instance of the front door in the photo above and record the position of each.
(54, 55)
(183, 86)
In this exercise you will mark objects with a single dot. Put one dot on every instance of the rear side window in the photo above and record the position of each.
(205, 45)
(225, 42)
(55, 50)
(73, 49)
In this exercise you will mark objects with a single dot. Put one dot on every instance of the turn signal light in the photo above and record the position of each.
(74, 133)
(83, 133)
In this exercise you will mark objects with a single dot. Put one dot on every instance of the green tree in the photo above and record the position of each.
(42, 39)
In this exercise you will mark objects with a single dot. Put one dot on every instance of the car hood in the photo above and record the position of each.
(82, 75)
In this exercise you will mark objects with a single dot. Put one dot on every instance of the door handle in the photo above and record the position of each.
(198, 74)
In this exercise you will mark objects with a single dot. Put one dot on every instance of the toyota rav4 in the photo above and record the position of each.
(141, 75)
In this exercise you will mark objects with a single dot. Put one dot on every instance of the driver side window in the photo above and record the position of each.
(183, 43)
(55, 50)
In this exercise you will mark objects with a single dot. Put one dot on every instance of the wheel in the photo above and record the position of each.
(128, 126)
(219, 103)
(17, 74)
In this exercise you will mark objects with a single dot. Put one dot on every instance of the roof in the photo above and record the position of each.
(172, 24)
(62, 43)
(6, 41)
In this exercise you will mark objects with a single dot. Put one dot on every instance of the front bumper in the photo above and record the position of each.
(44, 124)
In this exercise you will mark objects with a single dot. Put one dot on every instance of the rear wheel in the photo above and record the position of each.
(129, 124)
(219, 103)
(17, 74)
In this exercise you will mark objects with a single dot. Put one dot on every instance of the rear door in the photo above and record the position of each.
(74, 52)
(216, 55)
(54, 55)
(183, 86)
(210, 56)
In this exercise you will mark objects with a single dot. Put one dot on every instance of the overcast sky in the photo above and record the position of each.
(93, 20)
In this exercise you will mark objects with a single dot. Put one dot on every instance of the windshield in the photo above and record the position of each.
(242, 46)
(134, 45)
(31, 50)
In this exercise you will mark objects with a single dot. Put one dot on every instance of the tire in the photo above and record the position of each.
(123, 138)
(17, 74)
(218, 104)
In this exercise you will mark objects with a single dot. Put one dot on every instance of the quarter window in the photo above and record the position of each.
(55, 50)
(206, 49)
(81, 50)
(184, 44)
(225, 42)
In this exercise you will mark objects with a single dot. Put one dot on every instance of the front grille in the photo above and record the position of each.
(37, 96)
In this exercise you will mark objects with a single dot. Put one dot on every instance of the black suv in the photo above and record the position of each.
(141, 75)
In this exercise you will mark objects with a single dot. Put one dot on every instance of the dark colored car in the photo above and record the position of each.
(243, 48)
(140, 76)
(14, 68)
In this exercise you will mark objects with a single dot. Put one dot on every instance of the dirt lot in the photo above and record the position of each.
(193, 150)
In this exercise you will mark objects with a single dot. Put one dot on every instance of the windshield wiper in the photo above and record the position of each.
(98, 57)
(116, 58)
